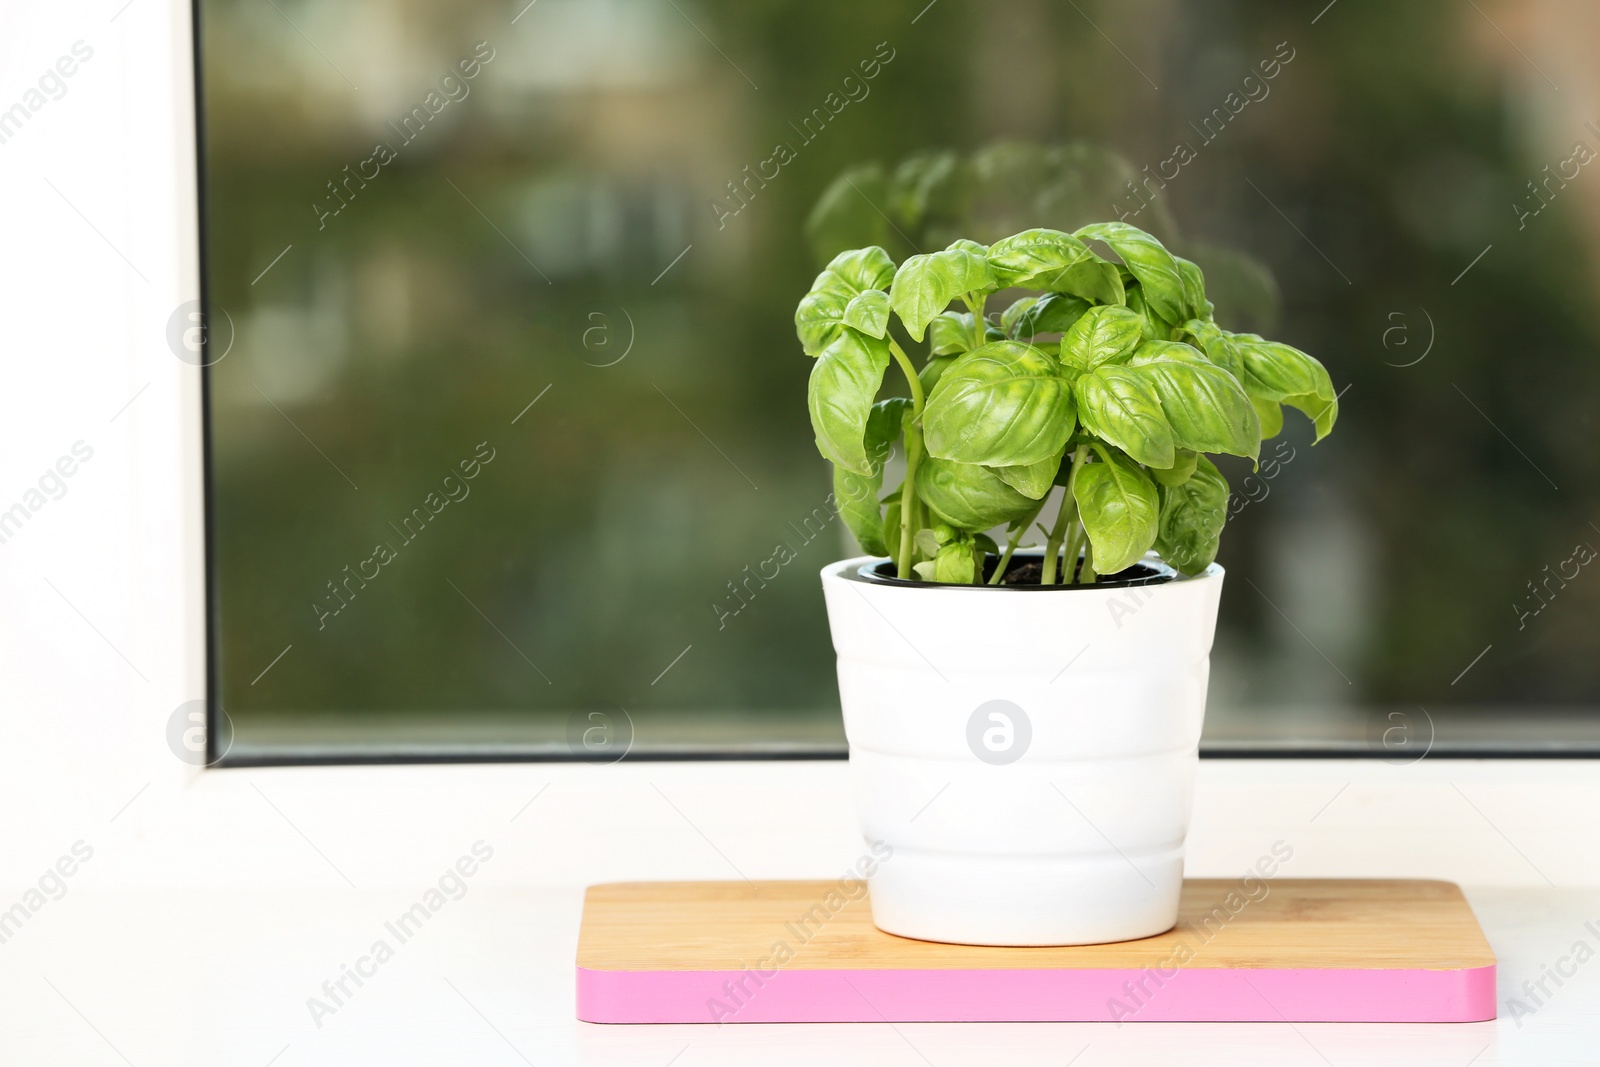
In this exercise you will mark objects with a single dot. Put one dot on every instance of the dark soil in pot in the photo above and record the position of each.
(1024, 571)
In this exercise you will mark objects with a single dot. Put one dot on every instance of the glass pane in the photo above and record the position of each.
(509, 447)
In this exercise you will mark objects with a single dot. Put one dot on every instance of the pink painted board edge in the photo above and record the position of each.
(1200, 994)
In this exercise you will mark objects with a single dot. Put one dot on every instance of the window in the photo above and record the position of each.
(507, 444)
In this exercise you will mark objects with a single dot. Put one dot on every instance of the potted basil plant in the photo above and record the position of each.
(1024, 723)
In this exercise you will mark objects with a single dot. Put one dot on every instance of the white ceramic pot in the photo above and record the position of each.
(1028, 753)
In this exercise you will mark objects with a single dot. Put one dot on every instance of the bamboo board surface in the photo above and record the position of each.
(798, 950)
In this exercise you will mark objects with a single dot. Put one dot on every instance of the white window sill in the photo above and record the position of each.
(204, 924)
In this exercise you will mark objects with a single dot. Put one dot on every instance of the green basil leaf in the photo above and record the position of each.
(956, 560)
(821, 313)
(1010, 316)
(819, 319)
(1105, 334)
(1204, 404)
(1032, 480)
(1274, 371)
(1217, 344)
(869, 312)
(1154, 328)
(1270, 412)
(844, 381)
(1119, 405)
(955, 563)
(1095, 280)
(1194, 289)
(925, 284)
(1182, 469)
(1004, 404)
(932, 371)
(856, 271)
(1192, 517)
(1149, 261)
(855, 496)
(1120, 510)
(884, 424)
(891, 525)
(1053, 313)
(968, 496)
(950, 331)
(961, 244)
(1035, 259)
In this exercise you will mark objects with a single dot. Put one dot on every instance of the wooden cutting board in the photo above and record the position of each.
(1288, 950)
